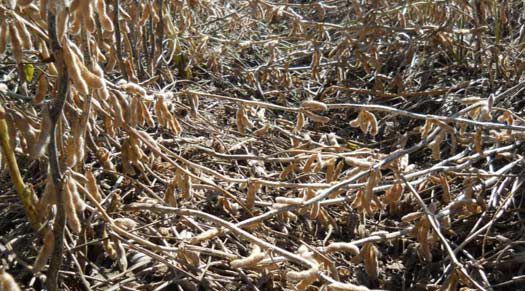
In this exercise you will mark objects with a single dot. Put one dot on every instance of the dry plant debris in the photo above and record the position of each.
(261, 145)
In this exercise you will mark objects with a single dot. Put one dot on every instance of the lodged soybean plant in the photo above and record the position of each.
(330, 145)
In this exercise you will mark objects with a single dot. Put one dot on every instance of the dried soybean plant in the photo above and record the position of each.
(331, 145)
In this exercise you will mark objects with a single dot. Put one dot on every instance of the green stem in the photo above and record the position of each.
(25, 193)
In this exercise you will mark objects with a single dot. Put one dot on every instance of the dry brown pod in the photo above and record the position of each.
(43, 8)
(129, 66)
(369, 254)
(25, 35)
(314, 106)
(75, 5)
(422, 230)
(357, 121)
(47, 199)
(320, 164)
(369, 198)
(468, 186)
(62, 19)
(317, 118)
(76, 24)
(308, 166)
(23, 2)
(226, 205)
(290, 169)
(4, 34)
(366, 121)
(73, 64)
(289, 200)
(306, 283)
(145, 14)
(338, 286)
(372, 121)
(99, 55)
(7, 282)
(330, 175)
(125, 223)
(343, 247)
(435, 145)
(108, 245)
(190, 257)
(143, 116)
(148, 118)
(121, 257)
(242, 120)
(239, 121)
(92, 186)
(73, 204)
(170, 196)
(42, 88)
(70, 148)
(44, 54)
(153, 12)
(103, 17)
(263, 130)
(393, 194)
(311, 273)
(45, 252)
(86, 13)
(209, 234)
(412, 216)
(478, 141)
(300, 122)
(315, 209)
(133, 88)
(250, 261)
(253, 187)
(505, 117)
(117, 109)
(93, 80)
(164, 116)
(194, 104)
(16, 43)
(112, 61)
(97, 70)
(38, 149)
(185, 185)
(25, 128)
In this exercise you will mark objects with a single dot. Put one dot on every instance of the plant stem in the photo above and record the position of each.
(55, 171)
(25, 193)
